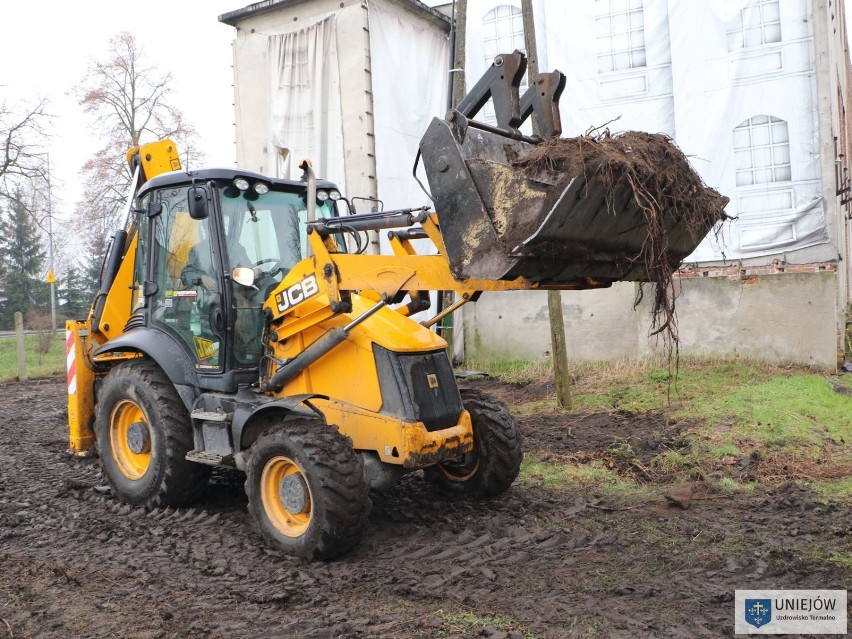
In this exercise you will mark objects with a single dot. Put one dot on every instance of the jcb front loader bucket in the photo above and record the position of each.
(500, 220)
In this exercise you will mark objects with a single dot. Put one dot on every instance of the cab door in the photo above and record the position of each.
(187, 274)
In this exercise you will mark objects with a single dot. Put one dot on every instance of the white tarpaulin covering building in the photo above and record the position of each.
(350, 85)
(717, 76)
(755, 93)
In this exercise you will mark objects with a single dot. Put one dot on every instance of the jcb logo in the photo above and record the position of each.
(297, 293)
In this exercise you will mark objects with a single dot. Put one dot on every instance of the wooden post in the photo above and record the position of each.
(554, 298)
(22, 353)
(560, 350)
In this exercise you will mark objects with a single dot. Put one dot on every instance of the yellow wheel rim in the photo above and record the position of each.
(286, 496)
(130, 439)
(464, 470)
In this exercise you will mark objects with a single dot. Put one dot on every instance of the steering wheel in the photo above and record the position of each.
(264, 273)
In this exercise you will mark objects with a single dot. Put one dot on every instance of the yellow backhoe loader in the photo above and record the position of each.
(239, 324)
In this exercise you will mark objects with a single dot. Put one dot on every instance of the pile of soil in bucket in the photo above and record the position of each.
(662, 183)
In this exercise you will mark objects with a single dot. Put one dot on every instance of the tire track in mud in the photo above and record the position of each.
(420, 547)
(413, 549)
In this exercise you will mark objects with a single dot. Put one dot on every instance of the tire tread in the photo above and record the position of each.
(342, 507)
(181, 482)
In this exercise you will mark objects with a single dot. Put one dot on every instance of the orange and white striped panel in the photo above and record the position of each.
(71, 362)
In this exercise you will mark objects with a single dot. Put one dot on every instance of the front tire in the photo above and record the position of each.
(306, 489)
(495, 461)
(144, 433)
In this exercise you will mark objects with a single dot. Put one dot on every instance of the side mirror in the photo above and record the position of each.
(197, 203)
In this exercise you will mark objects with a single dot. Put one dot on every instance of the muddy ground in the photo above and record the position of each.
(536, 562)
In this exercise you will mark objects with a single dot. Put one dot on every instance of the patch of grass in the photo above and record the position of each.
(536, 472)
(781, 412)
(531, 408)
(844, 381)
(836, 555)
(594, 627)
(791, 417)
(729, 485)
(514, 371)
(726, 450)
(842, 559)
(650, 385)
(599, 582)
(468, 621)
(677, 463)
(659, 376)
(667, 535)
(38, 366)
(834, 491)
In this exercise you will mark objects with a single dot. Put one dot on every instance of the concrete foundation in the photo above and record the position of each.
(789, 318)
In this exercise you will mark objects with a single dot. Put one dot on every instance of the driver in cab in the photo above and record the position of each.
(199, 271)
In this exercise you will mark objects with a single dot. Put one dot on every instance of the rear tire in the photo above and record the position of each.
(495, 461)
(143, 434)
(306, 489)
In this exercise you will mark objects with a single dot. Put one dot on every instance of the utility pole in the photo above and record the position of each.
(457, 53)
(51, 274)
(554, 298)
(455, 94)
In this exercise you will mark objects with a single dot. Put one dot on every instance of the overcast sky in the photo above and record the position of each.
(46, 47)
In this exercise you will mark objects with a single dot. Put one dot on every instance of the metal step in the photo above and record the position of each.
(211, 459)
(211, 416)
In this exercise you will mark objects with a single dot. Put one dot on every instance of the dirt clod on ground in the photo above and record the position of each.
(680, 496)
(662, 183)
(545, 562)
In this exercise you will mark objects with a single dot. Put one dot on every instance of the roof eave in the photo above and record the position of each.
(232, 18)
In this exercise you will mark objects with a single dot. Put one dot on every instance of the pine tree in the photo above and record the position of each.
(92, 267)
(22, 262)
(75, 295)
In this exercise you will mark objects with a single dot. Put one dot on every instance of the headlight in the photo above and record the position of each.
(334, 194)
(261, 189)
(322, 196)
(242, 184)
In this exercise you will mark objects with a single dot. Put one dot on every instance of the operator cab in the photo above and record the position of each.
(213, 244)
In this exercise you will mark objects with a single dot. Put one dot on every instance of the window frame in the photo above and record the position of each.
(493, 16)
(763, 137)
(623, 26)
(751, 20)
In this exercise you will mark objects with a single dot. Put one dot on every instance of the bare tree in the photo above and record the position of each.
(129, 100)
(23, 166)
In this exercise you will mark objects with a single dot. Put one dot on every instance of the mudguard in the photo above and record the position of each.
(166, 351)
(249, 407)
